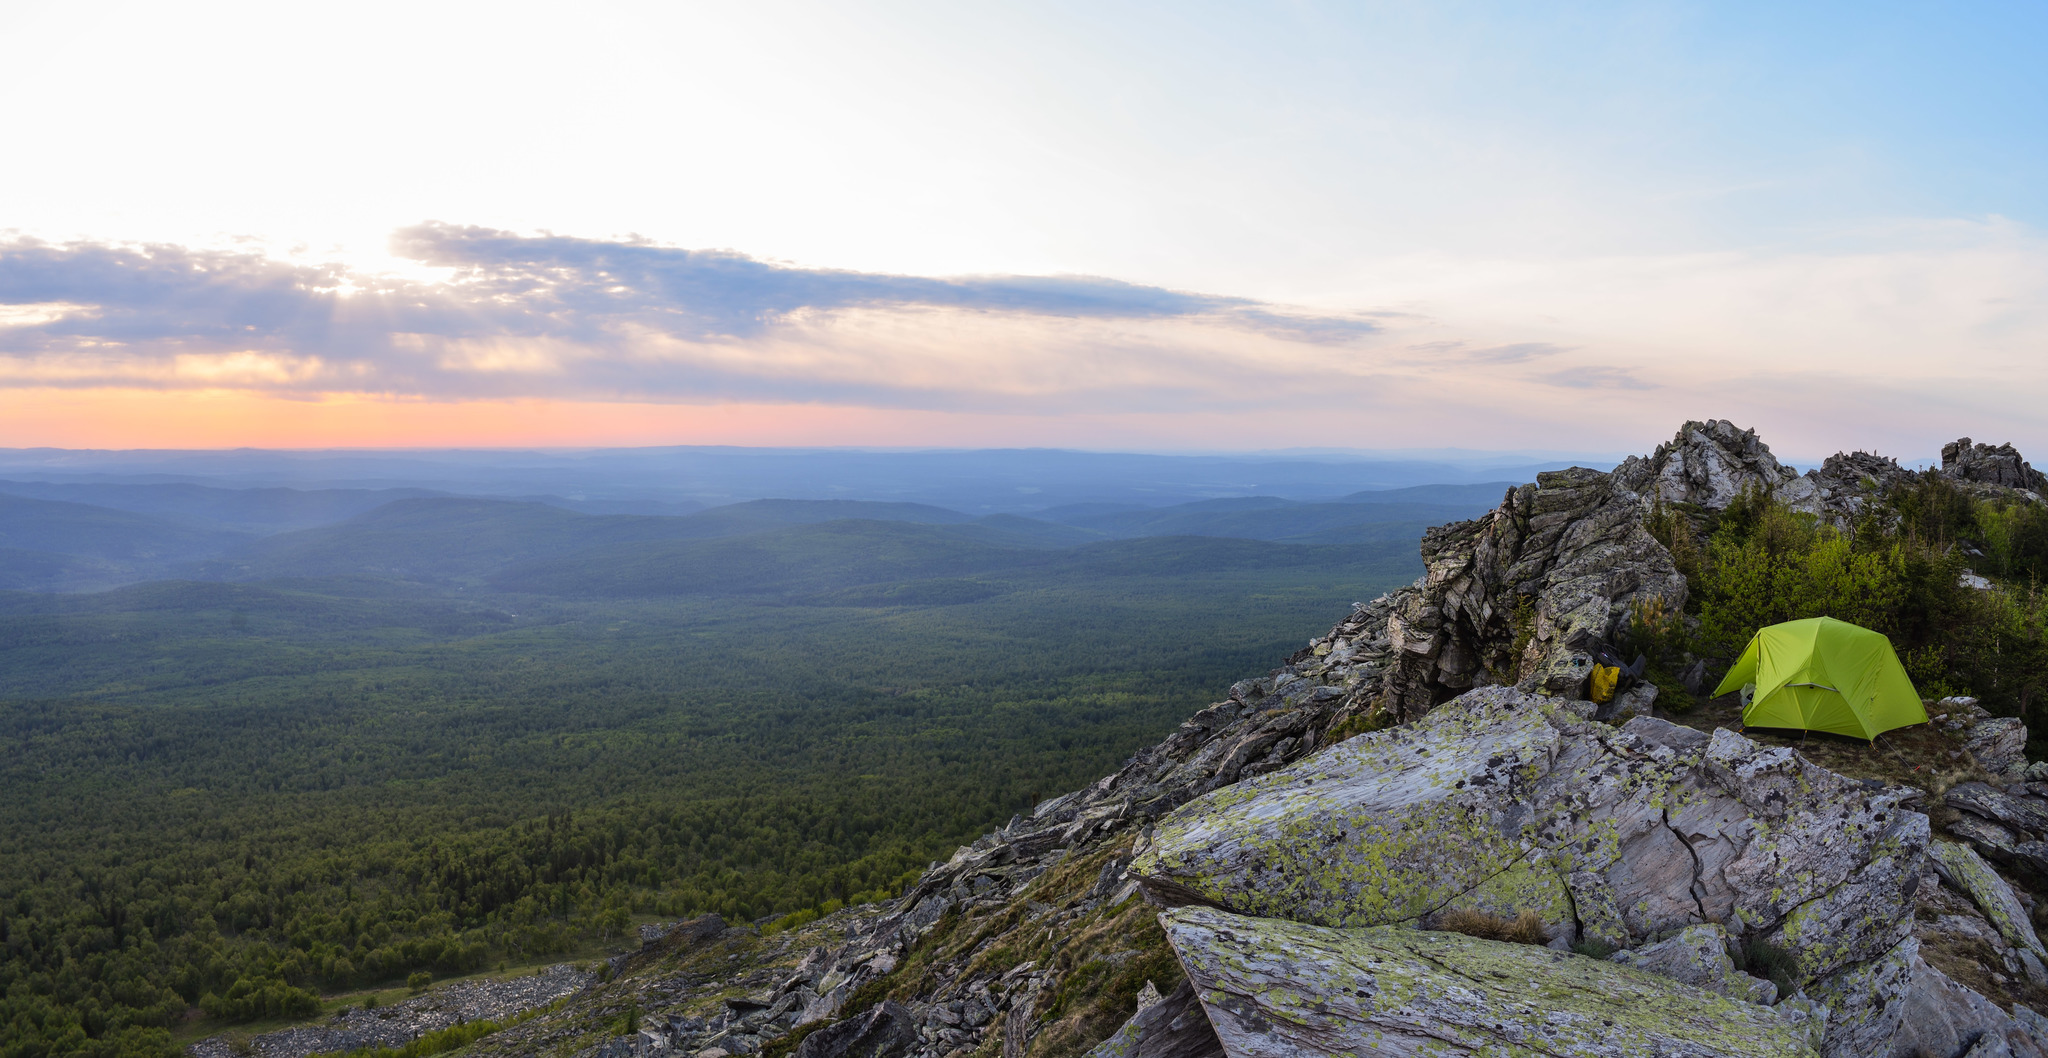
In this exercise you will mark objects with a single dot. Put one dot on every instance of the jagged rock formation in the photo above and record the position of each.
(1845, 482)
(1330, 855)
(1526, 592)
(1707, 465)
(2000, 465)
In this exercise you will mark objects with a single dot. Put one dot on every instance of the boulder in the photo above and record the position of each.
(1998, 743)
(2025, 815)
(1506, 803)
(885, 1031)
(1275, 989)
(1942, 1017)
(1698, 956)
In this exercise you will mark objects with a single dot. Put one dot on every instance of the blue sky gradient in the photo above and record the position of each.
(1509, 224)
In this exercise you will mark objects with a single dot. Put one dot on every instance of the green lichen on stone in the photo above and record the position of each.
(1989, 892)
(1270, 985)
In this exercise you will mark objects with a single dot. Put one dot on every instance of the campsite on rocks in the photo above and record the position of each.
(1501, 809)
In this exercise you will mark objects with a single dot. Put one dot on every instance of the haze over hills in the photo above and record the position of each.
(680, 480)
(490, 511)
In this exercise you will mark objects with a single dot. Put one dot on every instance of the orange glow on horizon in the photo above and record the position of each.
(143, 418)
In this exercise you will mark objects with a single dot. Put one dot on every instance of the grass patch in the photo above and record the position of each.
(1525, 928)
(1761, 958)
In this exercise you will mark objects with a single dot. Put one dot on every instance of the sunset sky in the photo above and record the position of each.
(1140, 227)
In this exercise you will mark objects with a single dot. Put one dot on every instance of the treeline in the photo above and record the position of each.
(237, 820)
(1900, 568)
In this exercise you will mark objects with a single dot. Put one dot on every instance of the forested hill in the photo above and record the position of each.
(447, 733)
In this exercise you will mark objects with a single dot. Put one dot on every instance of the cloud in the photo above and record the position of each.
(1595, 376)
(553, 315)
(1513, 353)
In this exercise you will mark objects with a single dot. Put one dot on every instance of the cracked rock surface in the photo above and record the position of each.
(1276, 989)
(1505, 802)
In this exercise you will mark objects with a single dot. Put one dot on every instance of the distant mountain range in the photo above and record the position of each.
(57, 536)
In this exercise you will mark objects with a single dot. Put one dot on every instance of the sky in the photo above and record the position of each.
(1157, 227)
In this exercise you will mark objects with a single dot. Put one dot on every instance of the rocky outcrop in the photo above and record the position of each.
(1706, 466)
(1939, 1016)
(1999, 465)
(1968, 906)
(1175, 1027)
(1525, 594)
(1507, 803)
(888, 1029)
(1303, 870)
(1273, 988)
(1847, 481)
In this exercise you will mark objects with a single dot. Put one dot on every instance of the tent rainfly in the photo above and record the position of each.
(1821, 674)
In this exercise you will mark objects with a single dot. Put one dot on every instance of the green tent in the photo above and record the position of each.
(1821, 674)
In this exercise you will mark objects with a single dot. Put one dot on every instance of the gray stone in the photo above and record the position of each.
(1999, 465)
(1698, 956)
(1706, 465)
(2035, 1024)
(886, 1031)
(1275, 989)
(1966, 872)
(1997, 743)
(1503, 802)
(1943, 1017)
(2026, 816)
(1173, 1027)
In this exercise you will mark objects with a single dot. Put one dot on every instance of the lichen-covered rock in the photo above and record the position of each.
(1504, 802)
(1998, 743)
(1867, 1003)
(1939, 1016)
(1963, 869)
(2025, 814)
(1698, 955)
(1382, 828)
(1275, 989)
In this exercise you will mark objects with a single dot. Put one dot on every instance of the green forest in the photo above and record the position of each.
(226, 800)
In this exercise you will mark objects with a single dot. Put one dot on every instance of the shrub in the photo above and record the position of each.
(1761, 958)
(419, 980)
(1594, 949)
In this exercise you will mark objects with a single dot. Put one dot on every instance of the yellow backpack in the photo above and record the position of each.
(1604, 679)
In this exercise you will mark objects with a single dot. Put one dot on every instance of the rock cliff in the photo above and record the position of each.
(1414, 837)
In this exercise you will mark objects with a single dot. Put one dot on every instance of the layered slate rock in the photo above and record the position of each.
(1961, 868)
(1939, 1016)
(1999, 465)
(1276, 989)
(1507, 803)
(1524, 594)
